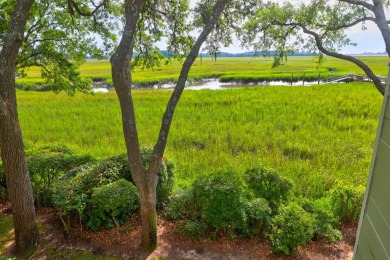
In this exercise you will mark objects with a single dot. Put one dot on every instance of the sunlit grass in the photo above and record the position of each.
(312, 135)
(6, 233)
(236, 69)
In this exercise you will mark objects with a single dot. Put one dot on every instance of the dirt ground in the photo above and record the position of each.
(56, 244)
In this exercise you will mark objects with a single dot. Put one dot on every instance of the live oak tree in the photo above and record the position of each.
(36, 34)
(11, 142)
(319, 25)
(221, 33)
(138, 30)
(228, 25)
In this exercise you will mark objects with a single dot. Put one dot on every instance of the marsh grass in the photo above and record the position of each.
(311, 135)
(228, 69)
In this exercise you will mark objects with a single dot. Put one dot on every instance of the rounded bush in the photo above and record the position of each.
(259, 217)
(266, 183)
(118, 167)
(111, 203)
(347, 200)
(220, 197)
(182, 205)
(291, 228)
(76, 190)
(326, 223)
(48, 163)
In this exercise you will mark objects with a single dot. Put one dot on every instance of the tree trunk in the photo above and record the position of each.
(11, 142)
(146, 180)
(148, 196)
(381, 22)
(19, 187)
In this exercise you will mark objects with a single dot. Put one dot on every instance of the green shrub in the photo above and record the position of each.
(220, 197)
(291, 228)
(47, 164)
(3, 193)
(268, 184)
(326, 223)
(111, 204)
(118, 167)
(192, 229)
(84, 181)
(259, 217)
(68, 197)
(347, 200)
(183, 206)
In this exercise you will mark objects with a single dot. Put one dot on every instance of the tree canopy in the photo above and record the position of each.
(318, 26)
(57, 39)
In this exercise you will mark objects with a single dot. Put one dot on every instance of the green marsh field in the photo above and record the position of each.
(312, 135)
(227, 69)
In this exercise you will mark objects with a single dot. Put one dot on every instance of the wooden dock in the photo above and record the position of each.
(351, 78)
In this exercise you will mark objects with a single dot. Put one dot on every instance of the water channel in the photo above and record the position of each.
(215, 84)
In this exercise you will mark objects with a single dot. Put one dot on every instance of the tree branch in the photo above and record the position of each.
(34, 54)
(358, 2)
(121, 76)
(73, 6)
(348, 25)
(159, 148)
(362, 65)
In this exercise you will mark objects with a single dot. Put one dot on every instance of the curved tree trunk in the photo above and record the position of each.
(11, 142)
(146, 180)
(377, 82)
(382, 23)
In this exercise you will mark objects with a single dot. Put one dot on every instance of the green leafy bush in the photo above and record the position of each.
(68, 197)
(291, 228)
(183, 206)
(3, 193)
(326, 223)
(192, 229)
(221, 199)
(47, 164)
(118, 167)
(111, 204)
(347, 200)
(268, 184)
(259, 217)
(84, 181)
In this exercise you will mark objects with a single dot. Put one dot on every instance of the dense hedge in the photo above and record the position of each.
(46, 164)
(260, 202)
(85, 190)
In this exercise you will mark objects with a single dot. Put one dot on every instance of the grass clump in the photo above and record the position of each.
(6, 232)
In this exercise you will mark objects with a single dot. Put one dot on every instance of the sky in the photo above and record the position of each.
(369, 40)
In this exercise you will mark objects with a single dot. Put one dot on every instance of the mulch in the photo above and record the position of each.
(170, 244)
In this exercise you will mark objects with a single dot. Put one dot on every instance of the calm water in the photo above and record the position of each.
(214, 84)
